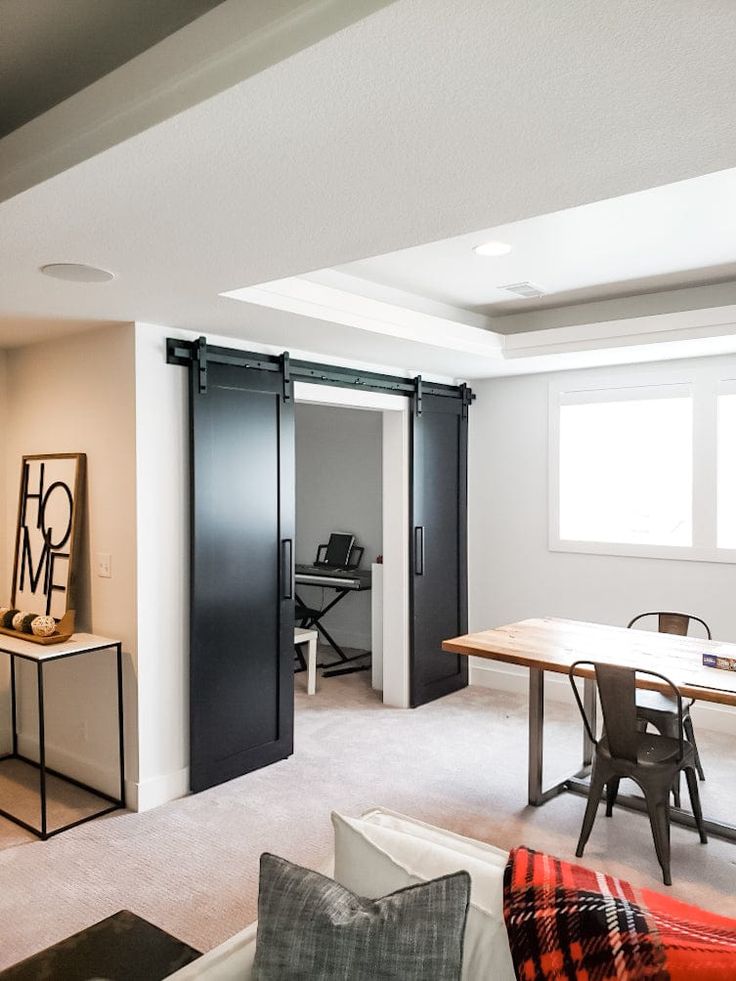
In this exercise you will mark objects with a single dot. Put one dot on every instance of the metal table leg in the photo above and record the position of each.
(42, 751)
(537, 794)
(536, 735)
(13, 706)
(121, 728)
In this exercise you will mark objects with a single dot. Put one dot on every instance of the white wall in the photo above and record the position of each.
(514, 575)
(339, 488)
(4, 565)
(77, 394)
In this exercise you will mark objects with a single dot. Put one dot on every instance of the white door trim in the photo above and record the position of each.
(395, 451)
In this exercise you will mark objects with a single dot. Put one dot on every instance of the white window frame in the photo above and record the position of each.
(704, 383)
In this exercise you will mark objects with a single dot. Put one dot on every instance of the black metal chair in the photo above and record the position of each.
(660, 710)
(653, 761)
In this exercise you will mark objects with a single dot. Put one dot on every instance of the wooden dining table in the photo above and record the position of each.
(549, 644)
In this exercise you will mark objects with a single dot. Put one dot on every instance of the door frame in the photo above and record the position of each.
(396, 458)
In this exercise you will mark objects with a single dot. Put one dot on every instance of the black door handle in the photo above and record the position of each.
(419, 550)
(287, 569)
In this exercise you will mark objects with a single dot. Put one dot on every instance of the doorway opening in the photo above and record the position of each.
(352, 478)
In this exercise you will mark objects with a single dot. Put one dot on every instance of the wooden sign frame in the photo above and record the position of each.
(36, 551)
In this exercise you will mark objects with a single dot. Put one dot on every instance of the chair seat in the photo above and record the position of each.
(654, 750)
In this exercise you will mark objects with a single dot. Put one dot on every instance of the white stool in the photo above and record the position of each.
(308, 637)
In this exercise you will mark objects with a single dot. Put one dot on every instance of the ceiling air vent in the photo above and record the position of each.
(528, 290)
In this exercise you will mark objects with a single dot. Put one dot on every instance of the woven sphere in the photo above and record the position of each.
(43, 626)
(25, 624)
(7, 620)
(3, 611)
(18, 620)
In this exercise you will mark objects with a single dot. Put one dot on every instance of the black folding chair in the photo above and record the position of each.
(653, 761)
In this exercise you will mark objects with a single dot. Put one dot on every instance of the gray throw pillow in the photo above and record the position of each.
(310, 927)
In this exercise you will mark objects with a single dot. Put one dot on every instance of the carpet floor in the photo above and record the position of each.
(191, 866)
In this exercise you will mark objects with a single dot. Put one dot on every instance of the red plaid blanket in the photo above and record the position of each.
(565, 921)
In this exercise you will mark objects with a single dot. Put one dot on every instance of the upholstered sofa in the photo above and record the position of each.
(384, 851)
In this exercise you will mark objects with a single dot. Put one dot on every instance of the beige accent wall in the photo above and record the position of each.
(4, 556)
(77, 394)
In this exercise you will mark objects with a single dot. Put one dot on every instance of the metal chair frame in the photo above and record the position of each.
(617, 756)
(687, 617)
(661, 719)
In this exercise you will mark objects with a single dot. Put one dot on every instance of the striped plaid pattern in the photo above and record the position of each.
(568, 922)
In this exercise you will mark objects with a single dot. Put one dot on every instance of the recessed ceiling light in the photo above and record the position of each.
(76, 272)
(492, 248)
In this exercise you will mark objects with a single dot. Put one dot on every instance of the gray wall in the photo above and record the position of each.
(339, 488)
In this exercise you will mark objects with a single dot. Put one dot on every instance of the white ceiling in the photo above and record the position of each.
(423, 121)
(680, 234)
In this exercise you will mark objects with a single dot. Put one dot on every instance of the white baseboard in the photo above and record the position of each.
(147, 794)
(139, 795)
(510, 678)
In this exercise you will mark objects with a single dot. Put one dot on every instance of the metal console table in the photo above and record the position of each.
(41, 656)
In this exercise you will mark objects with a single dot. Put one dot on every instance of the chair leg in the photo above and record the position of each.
(676, 791)
(659, 819)
(312, 666)
(594, 798)
(687, 725)
(611, 794)
(692, 786)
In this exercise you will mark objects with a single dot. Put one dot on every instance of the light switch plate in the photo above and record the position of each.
(104, 565)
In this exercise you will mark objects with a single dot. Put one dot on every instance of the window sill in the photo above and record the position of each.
(680, 553)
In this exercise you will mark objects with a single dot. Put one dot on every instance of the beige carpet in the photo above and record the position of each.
(191, 866)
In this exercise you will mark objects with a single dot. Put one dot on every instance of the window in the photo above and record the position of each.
(626, 471)
(648, 469)
(727, 470)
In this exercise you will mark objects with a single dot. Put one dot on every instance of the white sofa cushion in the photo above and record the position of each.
(384, 851)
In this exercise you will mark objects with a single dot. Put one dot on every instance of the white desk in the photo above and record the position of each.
(41, 655)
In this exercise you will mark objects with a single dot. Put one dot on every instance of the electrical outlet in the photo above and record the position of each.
(104, 565)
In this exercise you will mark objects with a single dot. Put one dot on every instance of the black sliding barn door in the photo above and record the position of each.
(242, 555)
(438, 547)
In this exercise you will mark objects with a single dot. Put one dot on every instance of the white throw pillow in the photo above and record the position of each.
(384, 851)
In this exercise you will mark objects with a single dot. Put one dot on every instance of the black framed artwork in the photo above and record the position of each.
(47, 533)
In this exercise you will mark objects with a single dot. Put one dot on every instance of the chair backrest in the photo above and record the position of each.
(617, 691)
(673, 623)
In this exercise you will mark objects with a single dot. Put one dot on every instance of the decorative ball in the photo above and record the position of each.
(7, 620)
(18, 620)
(27, 621)
(43, 626)
(3, 611)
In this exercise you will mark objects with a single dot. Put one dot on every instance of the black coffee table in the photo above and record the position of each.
(124, 947)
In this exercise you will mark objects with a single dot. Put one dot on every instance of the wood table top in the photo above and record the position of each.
(553, 645)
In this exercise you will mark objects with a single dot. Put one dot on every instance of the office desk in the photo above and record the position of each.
(344, 582)
(553, 645)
